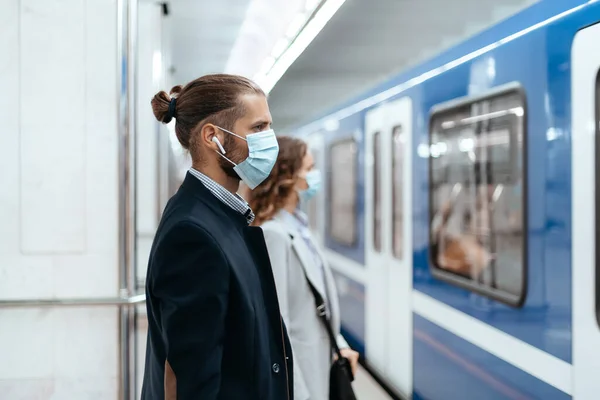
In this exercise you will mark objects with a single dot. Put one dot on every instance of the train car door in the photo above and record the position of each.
(388, 226)
(376, 285)
(585, 213)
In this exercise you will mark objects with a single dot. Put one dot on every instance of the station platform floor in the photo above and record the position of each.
(366, 388)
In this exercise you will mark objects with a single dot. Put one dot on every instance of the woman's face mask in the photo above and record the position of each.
(313, 181)
(262, 155)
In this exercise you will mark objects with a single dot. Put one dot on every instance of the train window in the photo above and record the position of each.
(342, 192)
(397, 182)
(376, 192)
(476, 197)
(313, 204)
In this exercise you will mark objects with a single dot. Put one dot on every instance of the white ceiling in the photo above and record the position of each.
(267, 22)
(202, 34)
(364, 43)
(368, 41)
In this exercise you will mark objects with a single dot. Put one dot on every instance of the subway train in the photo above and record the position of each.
(458, 213)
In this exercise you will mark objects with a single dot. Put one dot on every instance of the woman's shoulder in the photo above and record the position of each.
(277, 237)
(275, 226)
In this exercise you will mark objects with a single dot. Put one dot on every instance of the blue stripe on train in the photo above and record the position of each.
(352, 309)
(448, 367)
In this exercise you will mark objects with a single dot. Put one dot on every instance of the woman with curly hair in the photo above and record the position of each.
(296, 260)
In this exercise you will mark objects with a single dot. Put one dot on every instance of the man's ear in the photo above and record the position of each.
(211, 137)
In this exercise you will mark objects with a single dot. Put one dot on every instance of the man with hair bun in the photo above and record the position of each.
(214, 326)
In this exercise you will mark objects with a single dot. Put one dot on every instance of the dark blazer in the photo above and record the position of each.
(214, 326)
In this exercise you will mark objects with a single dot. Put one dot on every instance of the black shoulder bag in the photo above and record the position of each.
(340, 374)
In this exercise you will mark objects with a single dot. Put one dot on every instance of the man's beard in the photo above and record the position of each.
(234, 154)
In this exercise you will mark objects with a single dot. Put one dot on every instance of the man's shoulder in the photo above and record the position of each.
(186, 224)
(187, 211)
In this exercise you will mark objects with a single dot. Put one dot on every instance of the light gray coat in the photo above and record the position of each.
(289, 256)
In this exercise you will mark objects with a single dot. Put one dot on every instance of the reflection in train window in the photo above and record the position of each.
(476, 197)
(342, 192)
(313, 204)
(376, 192)
(398, 140)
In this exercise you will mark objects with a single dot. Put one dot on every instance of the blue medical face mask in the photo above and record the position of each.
(262, 155)
(313, 180)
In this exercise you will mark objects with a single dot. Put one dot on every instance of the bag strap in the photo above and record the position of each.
(321, 309)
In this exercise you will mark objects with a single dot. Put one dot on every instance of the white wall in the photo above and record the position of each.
(58, 197)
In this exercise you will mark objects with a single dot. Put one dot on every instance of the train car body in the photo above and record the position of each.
(458, 213)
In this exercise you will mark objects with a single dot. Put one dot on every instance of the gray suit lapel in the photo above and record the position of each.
(311, 269)
(308, 263)
(331, 288)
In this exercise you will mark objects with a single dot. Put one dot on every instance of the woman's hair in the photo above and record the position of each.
(269, 197)
(211, 98)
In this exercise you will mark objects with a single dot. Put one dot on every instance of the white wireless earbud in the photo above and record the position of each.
(216, 140)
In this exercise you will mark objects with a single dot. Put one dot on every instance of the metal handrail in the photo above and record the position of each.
(127, 48)
(74, 302)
